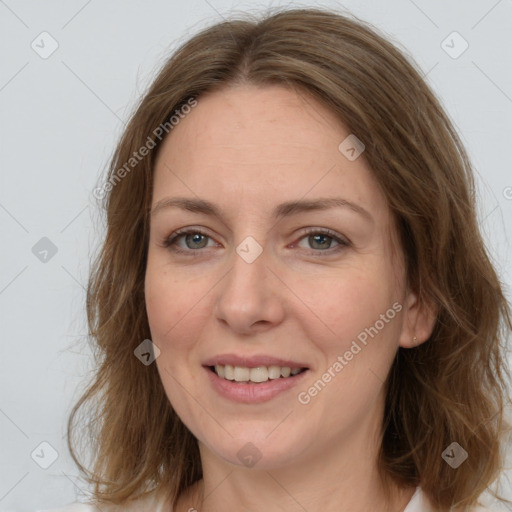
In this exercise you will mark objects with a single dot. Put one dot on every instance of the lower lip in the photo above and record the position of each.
(252, 392)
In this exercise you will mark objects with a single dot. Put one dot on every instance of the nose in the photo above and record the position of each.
(249, 296)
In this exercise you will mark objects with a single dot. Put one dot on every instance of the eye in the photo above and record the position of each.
(321, 240)
(193, 239)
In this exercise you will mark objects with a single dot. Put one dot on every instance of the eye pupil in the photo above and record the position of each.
(315, 238)
(196, 239)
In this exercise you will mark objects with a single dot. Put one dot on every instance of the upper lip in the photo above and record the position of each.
(252, 361)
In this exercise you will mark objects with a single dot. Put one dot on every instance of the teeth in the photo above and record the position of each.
(258, 374)
(274, 372)
(242, 374)
(229, 373)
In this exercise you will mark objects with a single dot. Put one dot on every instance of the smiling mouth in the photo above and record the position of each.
(256, 375)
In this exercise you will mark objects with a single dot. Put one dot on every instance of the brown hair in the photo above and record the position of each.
(451, 388)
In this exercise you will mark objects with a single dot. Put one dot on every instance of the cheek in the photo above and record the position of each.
(174, 310)
(345, 306)
(171, 307)
(356, 344)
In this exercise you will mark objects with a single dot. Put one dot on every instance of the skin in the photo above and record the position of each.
(248, 149)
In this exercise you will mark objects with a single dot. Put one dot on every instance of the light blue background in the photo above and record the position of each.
(60, 118)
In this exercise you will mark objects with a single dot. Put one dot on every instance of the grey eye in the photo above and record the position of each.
(197, 240)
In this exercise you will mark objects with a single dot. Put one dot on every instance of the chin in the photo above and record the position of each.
(257, 451)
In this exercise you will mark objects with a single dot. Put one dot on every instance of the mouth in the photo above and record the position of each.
(253, 379)
(257, 375)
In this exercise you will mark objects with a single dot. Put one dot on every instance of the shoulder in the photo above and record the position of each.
(420, 503)
(73, 507)
(149, 503)
(479, 508)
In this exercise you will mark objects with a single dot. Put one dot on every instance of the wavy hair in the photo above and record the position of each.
(452, 388)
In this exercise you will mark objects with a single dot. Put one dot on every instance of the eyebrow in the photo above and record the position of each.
(283, 210)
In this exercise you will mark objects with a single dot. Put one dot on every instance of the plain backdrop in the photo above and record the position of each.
(61, 114)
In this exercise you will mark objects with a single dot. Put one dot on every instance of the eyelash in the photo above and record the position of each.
(170, 242)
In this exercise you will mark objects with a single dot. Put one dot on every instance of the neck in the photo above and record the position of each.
(340, 477)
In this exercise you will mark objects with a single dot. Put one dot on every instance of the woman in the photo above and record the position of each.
(293, 305)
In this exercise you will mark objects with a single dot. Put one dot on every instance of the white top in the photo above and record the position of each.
(418, 503)
(150, 503)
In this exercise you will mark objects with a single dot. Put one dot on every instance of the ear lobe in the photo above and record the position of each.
(418, 322)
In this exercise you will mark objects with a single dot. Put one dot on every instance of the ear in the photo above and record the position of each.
(418, 321)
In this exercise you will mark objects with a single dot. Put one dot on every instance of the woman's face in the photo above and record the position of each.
(255, 285)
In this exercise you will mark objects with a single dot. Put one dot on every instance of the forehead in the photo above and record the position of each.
(256, 146)
(252, 123)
